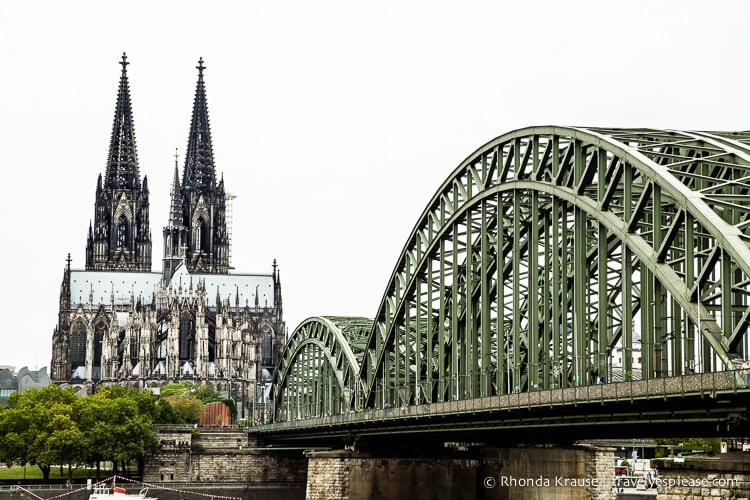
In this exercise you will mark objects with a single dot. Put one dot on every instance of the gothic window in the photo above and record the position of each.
(100, 331)
(186, 336)
(161, 338)
(122, 231)
(267, 351)
(201, 236)
(78, 344)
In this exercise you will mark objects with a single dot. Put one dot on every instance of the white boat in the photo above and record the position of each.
(102, 492)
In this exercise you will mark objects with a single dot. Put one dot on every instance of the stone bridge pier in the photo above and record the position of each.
(488, 473)
(387, 469)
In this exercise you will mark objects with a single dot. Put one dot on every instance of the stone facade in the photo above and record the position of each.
(119, 323)
(599, 463)
(727, 478)
(494, 473)
(195, 455)
(328, 475)
(207, 455)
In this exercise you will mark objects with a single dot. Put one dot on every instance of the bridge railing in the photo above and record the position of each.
(665, 387)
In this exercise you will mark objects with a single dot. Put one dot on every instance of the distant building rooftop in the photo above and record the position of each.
(22, 381)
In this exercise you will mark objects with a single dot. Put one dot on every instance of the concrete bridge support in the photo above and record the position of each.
(492, 473)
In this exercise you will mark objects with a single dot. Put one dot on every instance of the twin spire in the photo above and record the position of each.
(120, 238)
(122, 164)
(199, 161)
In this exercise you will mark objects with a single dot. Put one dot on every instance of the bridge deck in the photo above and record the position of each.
(548, 408)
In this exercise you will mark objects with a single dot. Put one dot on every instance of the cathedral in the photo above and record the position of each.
(121, 323)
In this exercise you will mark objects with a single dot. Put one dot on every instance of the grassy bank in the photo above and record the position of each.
(34, 472)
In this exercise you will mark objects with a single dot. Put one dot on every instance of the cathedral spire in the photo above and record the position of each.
(202, 200)
(121, 237)
(122, 163)
(175, 209)
(199, 174)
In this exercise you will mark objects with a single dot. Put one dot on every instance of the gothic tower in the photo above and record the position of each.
(122, 324)
(197, 229)
(120, 238)
(175, 232)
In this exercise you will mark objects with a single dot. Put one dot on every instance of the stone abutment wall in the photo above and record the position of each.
(189, 455)
(495, 473)
(725, 477)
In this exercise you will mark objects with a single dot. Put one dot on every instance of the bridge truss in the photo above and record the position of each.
(533, 265)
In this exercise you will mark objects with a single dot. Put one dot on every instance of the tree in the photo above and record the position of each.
(166, 414)
(61, 442)
(37, 428)
(55, 426)
(14, 436)
(710, 445)
(116, 428)
(205, 393)
(188, 407)
(177, 389)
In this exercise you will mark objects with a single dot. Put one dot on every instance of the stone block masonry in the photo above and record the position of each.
(494, 473)
(195, 456)
(725, 477)
(221, 455)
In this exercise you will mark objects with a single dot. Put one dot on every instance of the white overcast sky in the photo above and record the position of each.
(332, 122)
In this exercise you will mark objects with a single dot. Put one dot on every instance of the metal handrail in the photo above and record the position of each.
(686, 384)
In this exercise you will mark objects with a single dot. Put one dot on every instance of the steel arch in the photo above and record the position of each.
(587, 217)
(533, 262)
(320, 363)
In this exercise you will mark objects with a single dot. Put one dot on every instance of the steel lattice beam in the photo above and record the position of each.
(536, 256)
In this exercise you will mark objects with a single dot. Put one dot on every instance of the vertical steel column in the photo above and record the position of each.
(455, 348)
(548, 331)
(580, 292)
(485, 356)
(648, 355)
(726, 275)
(660, 293)
(418, 333)
(517, 300)
(604, 313)
(442, 385)
(502, 381)
(533, 293)
(557, 278)
(468, 346)
(430, 332)
(675, 360)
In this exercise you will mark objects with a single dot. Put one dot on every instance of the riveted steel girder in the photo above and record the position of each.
(530, 265)
(541, 258)
(319, 368)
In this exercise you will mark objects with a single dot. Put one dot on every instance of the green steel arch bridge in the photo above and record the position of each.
(560, 277)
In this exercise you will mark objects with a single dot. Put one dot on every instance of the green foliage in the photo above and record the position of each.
(681, 445)
(37, 428)
(203, 392)
(177, 389)
(207, 394)
(55, 426)
(188, 407)
(232, 407)
(166, 414)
